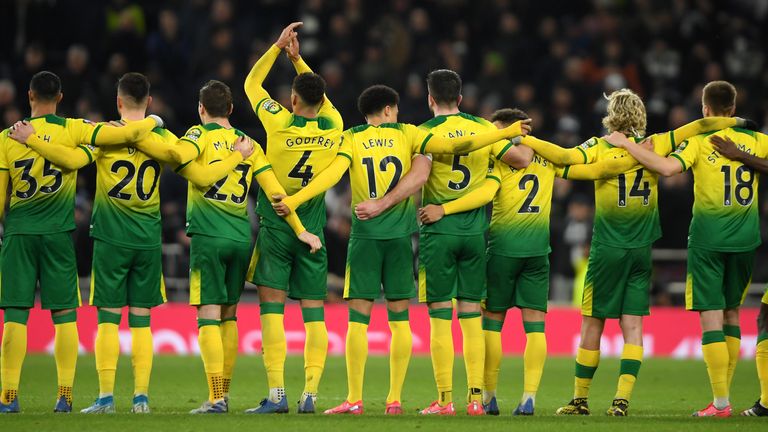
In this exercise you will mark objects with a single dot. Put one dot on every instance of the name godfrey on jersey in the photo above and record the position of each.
(313, 141)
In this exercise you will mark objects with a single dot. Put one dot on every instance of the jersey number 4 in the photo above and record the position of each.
(301, 170)
(118, 192)
(32, 183)
(640, 189)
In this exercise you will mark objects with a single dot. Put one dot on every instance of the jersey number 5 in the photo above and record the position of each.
(463, 169)
(48, 171)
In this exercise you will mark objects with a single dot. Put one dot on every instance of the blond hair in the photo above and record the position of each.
(625, 113)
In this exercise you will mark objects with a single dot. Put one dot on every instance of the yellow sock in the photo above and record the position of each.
(400, 348)
(474, 353)
(315, 348)
(107, 350)
(493, 354)
(441, 351)
(13, 351)
(141, 352)
(65, 348)
(230, 341)
(273, 344)
(534, 357)
(733, 342)
(631, 360)
(356, 354)
(212, 352)
(586, 365)
(761, 359)
(715, 353)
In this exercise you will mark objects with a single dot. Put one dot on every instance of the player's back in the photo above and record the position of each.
(626, 206)
(380, 156)
(42, 195)
(725, 208)
(521, 208)
(221, 210)
(454, 175)
(298, 148)
(126, 208)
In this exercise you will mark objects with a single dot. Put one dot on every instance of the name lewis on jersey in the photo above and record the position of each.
(378, 142)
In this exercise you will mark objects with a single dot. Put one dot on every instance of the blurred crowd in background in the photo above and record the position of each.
(554, 59)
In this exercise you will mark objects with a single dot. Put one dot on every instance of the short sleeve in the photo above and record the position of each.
(272, 115)
(258, 159)
(3, 157)
(686, 153)
(589, 149)
(663, 143)
(193, 136)
(345, 144)
(83, 131)
(417, 136)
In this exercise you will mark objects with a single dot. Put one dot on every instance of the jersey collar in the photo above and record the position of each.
(50, 118)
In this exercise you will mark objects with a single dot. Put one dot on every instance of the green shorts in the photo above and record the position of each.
(717, 280)
(451, 267)
(217, 268)
(618, 282)
(123, 276)
(517, 282)
(373, 264)
(47, 258)
(281, 261)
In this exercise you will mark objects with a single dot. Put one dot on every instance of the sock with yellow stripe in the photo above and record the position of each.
(474, 353)
(65, 348)
(400, 347)
(761, 359)
(733, 342)
(13, 351)
(441, 351)
(356, 354)
(631, 360)
(315, 349)
(715, 352)
(586, 365)
(274, 346)
(493, 353)
(212, 352)
(534, 358)
(107, 350)
(230, 341)
(141, 352)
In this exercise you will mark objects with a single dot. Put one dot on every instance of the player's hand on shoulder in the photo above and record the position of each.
(616, 139)
(287, 34)
(244, 145)
(431, 213)
(646, 144)
(368, 209)
(748, 124)
(521, 127)
(725, 146)
(311, 240)
(21, 131)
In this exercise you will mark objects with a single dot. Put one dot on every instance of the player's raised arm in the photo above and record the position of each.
(292, 50)
(665, 166)
(469, 143)
(63, 153)
(319, 184)
(254, 82)
(729, 149)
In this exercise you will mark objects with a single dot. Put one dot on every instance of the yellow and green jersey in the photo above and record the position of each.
(126, 209)
(299, 148)
(725, 206)
(454, 175)
(379, 157)
(521, 208)
(626, 206)
(221, 210)
(42, 195)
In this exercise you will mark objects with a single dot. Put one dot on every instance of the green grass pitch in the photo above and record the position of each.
(665, 395)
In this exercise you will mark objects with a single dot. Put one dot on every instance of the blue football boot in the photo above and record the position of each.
(140, 404)
(10, 408)
(524, 408)
(307, 406)
(62, 406)
(102, 405)
(491, 408)
(209, 407)
(266, 406)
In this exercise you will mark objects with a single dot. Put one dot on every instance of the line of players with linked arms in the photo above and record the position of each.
(307, 153)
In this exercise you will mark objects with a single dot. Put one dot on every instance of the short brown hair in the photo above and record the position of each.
(216, 98)
(507, 116)
(719, 96)
(134, 86)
